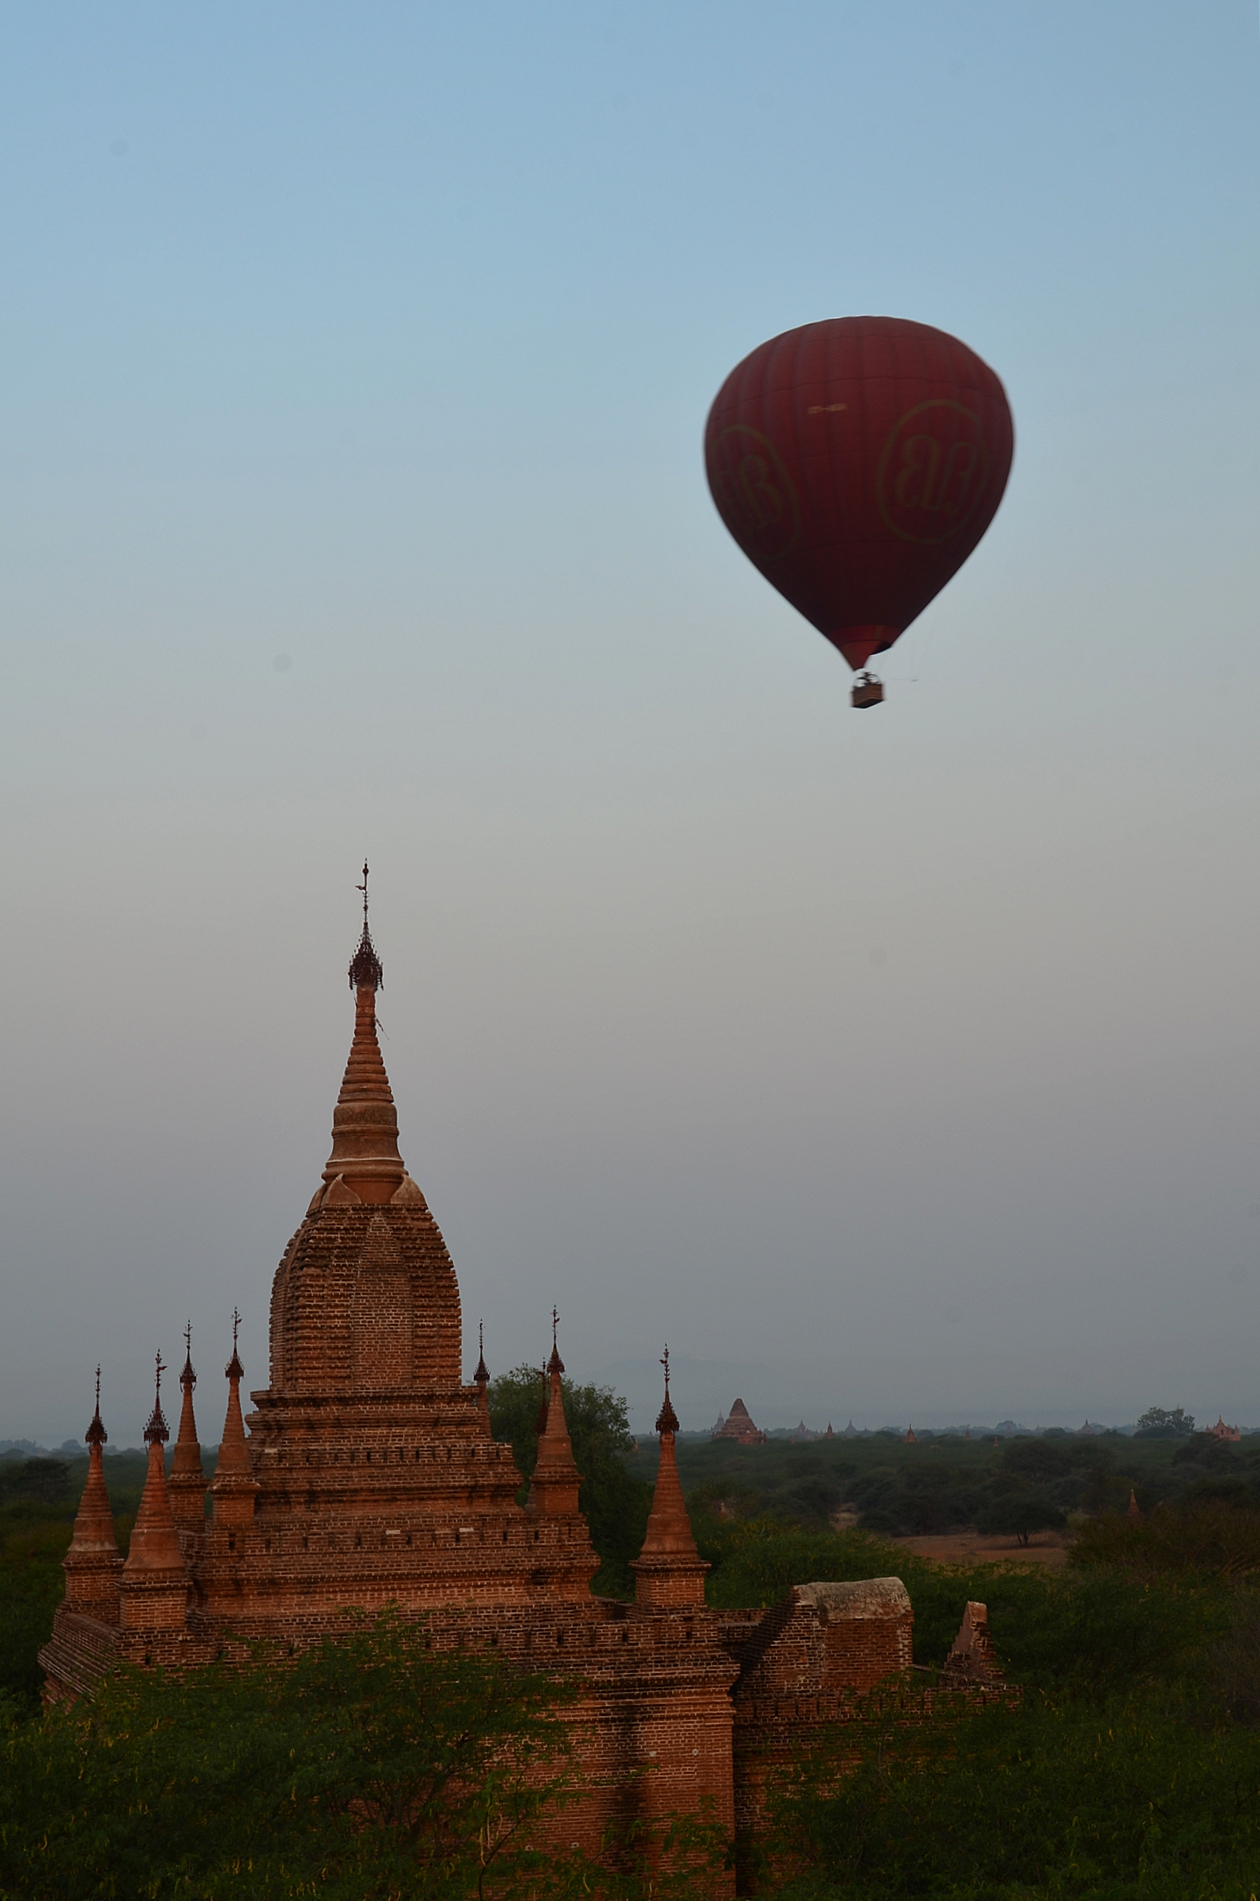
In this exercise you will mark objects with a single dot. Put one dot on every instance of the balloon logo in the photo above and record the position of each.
(857, 463)
(757, 491)
(932, 470)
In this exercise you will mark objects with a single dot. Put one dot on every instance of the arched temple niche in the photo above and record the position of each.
(380, 1314)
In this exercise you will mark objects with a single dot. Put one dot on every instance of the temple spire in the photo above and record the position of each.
(552, 1504)
(553, 1489)
(366, 970)
(481, 1378)
(364, 1164)
(188, 1480)
(154, 1581)
(234, 1488)
(669, 1571)
(92, 1564)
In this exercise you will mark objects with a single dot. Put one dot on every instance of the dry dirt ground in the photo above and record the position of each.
(968, 1547)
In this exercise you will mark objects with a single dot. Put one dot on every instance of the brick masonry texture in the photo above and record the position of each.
(369, 1478)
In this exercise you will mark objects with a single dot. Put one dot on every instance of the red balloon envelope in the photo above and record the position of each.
(857, 463)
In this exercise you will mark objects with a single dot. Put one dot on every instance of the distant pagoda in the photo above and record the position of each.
(739, 1426)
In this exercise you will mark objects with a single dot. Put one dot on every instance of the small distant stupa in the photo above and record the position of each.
(910, 1439)
(739, 1426)
(1221, 1431)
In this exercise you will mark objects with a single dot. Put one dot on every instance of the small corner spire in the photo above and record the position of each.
(157, 1432)
(555, 1364)
(482, 1376)
(96, 1434)
(234, 1370)
(366, 971)
(667, 1418)
(188, 1378)
(669, 1571)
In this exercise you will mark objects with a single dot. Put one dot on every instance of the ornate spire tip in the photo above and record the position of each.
(366, 971)
(96, 1434)
(157, 1432)
(667, 1418)
(555, 1364)
(234, 1370)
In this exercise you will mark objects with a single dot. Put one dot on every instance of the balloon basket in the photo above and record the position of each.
(867, 691)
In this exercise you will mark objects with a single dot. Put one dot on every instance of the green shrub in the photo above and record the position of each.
(364, 1770)
(32, 1583)
(1203, 1535)
(1132, 1796)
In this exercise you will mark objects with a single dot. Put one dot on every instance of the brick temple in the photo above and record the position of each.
(369, 1476)
(738, 1425)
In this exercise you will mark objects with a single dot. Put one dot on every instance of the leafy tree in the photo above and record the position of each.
(1128, 1797)
(908, 1500)
(1037, 1459)
(614, 1502)
(32, 1584)
(37, 1481)
(758, 1560)
(722, 1499)
(1203, 1534)
(366, 1769)
(1156, 1423)
(1234, 1662)
(1020, 1513)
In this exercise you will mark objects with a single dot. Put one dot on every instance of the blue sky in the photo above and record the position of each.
(352, 501)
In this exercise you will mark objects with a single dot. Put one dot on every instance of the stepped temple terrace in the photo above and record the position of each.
(365, 1475)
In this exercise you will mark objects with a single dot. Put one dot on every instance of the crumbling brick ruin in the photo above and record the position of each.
(369, 1477)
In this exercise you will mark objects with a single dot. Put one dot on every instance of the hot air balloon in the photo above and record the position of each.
(857, 463)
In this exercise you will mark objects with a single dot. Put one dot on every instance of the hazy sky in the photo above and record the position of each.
(902, 1066)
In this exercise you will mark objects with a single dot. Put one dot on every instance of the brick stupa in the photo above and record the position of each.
(738, 1425)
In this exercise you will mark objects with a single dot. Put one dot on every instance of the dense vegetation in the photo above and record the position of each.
(1130, 1768)
(372, 1767)
(1128, 1771)
(948, 1483)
